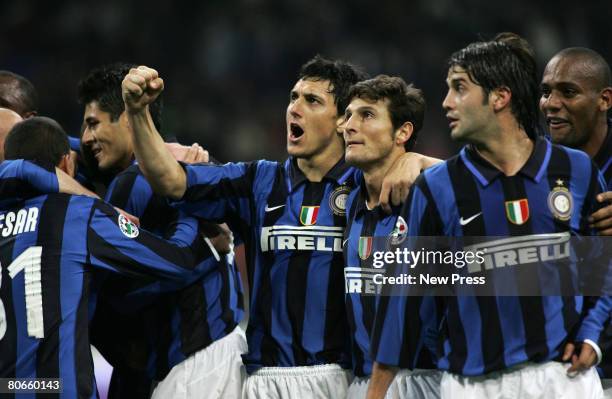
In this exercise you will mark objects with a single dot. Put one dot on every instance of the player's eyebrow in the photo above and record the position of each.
(365, 108)
(456, 80)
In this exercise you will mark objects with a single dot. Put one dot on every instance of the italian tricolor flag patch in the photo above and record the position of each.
(517, 211)
(365, 247)
(308, 215)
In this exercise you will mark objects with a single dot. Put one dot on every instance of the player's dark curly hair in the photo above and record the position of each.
(103, 84)
(406, 102)
(342, 75)
(506, 61)
(37, 139)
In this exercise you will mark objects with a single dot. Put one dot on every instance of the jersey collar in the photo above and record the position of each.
(603, 158)
(339, 173)
(485, 173)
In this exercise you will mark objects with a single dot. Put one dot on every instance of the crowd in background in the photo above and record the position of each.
(229, 66)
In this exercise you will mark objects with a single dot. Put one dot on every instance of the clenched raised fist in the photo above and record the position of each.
(140, 87)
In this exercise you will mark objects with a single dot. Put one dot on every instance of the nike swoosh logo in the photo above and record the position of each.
(463, 221)
(267, 209)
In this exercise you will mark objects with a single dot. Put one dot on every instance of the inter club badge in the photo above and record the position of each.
(337, 200)
(560, 202)
(517, 211)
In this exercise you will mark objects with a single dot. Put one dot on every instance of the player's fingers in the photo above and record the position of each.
(607, 196)
(404, 192)
(148, 73)
(137, 79)
(202, 155)
(567, 352)
(383, 199)
(206, 156)
(605, 232)
(157, 84)
(132, 89)
(573, 369)
(603, 223)
(603, 213)
(192, 153)
(396, 195)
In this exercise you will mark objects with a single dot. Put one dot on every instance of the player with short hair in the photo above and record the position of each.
(381, 124)
(18, 93)
(292, 214)
(193, 331)
(504, 183)
(49, 246)
(576, 98)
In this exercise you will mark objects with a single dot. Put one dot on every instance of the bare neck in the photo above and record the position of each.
(317, 166)
(374, 174)
(508, 150)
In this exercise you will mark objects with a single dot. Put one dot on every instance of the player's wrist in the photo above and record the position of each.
(596, 348)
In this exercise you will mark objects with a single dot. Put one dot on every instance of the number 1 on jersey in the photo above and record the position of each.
(30, 262)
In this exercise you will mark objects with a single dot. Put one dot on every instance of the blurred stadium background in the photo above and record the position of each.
(229, 65)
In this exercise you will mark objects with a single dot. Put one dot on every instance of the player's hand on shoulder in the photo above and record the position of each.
(397, 182)
(140, 87)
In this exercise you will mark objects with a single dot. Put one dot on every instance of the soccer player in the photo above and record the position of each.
(8, 119)
(505, 182)
(576, 97)
(293, 215)
(381, 123)
(190, 334)
(49, 246)
(18, 93)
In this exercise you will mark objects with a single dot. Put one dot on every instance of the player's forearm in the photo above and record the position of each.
(158, 165)
(68, 185)
(382, 376)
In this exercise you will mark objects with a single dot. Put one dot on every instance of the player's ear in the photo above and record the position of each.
(68, 163)
(605, 99)
(403, 134)
(500, 98)
(340, 122)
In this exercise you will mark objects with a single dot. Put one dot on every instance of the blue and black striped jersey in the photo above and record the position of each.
(293, 231)
(365, 231)
(21, 179)
(467, 196)
(180, 323)
(48, 246)
(603, 158)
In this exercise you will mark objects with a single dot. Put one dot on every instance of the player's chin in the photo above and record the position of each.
(296, 150)
(352, 157)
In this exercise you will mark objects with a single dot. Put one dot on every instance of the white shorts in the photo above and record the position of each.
(417, 384)
(310, 382)
(409, 384)
(213, 372)
(529, 381)
(606, 384)
(358, 388)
